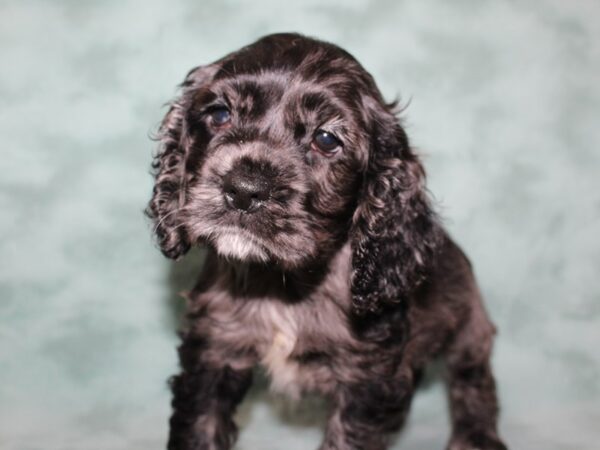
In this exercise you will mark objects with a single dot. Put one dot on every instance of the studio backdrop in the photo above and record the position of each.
(502, 101)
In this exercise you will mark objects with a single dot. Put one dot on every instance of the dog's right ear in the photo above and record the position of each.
(168, 197)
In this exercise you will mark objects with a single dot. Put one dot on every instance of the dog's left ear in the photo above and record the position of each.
(395, 233)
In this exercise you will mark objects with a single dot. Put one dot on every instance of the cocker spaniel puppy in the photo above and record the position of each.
(326, 264)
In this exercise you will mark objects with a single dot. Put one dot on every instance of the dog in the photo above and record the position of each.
(326, 263)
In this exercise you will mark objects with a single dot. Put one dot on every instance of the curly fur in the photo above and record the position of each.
(342, 280)
(393, 223)
(169, 172)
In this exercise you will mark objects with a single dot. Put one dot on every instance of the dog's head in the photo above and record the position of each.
(281, 152)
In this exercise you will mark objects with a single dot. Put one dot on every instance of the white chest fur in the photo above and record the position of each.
(285, 372)
(281, 333)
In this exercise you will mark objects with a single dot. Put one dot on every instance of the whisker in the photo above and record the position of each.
(165, 216)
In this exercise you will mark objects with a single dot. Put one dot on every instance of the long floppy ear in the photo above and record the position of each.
(395, 233)
(168, 195)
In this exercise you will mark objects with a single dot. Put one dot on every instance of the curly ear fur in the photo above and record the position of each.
(395, 233)
(169, 172)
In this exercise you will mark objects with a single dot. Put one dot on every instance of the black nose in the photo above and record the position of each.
(246, 191)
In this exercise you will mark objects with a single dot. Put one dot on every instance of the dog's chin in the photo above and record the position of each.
(241, 244)
(238, 246)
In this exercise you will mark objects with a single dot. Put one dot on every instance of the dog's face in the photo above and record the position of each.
(276, 153)
(274, 156)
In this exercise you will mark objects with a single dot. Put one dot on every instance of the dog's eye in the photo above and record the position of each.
(325, 142)
(220, 116)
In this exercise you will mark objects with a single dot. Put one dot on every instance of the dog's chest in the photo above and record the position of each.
(291, 332)
(296, 342)
(283, 339)
(284, 335)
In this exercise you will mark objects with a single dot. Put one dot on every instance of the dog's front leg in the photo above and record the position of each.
(366, 413)
(205, 396)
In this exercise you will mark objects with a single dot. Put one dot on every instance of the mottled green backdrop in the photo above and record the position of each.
(504, 104)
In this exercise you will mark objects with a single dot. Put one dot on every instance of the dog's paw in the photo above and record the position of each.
(476, 440)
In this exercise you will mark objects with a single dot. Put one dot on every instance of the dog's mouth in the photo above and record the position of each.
(269, 235)
(241, 245)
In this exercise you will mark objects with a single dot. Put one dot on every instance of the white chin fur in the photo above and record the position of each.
(239, 247)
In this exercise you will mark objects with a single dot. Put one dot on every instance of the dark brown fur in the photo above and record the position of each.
(340, 280)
